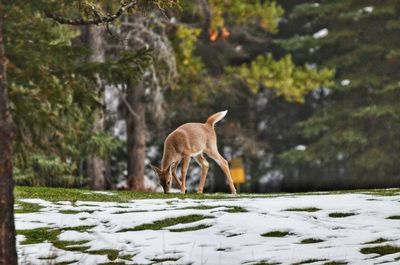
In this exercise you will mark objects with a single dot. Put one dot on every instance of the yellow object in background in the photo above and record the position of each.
(237, 171)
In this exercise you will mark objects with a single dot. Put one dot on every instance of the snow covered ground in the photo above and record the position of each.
(234, 232)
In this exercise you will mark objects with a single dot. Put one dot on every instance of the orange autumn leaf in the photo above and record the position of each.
(213, 35)
(225, 33)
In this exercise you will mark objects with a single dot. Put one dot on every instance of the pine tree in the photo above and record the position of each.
(354, 137)
(36, 66)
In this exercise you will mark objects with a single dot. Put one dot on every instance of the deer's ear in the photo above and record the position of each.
(156, 169)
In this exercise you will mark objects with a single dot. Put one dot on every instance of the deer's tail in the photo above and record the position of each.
(213, 119)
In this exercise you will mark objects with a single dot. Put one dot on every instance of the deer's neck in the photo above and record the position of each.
(169, 156)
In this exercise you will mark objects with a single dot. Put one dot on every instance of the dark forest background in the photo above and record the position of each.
(311, 87)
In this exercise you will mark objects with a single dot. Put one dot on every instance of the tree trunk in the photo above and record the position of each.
(8, 254)
(96, 166)
(206, 18)
(136, 135)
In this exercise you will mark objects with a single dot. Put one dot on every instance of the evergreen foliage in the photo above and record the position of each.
(52, 98)
(283, 102)
(353, 137)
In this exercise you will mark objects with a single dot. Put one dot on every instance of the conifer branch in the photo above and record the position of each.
(100, 19)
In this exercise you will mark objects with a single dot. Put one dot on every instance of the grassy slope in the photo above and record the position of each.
(62, 194)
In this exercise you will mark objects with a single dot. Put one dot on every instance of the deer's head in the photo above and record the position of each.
(165, 176)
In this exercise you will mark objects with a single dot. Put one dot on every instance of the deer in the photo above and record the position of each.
(187, 141)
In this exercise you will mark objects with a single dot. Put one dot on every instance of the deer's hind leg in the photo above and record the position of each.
(223, 164)
(204, 170)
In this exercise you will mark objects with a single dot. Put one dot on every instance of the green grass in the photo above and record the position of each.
(309, 209)
(75, 211)
(308, 261)
(381, 250)
(66, 262)
(261, 262)
(69, 211)
(192, 228)
(276, 234)
(82, 228)
(26, 207)
(231, 209)
(143, 211)
(160, 224)
(394, 217)
(71, 245)
(159, 260)
(112, 254)
(126, 257)
(200, 207)
(39, 235)
(377, 241)
(73, 195)
(63, 194)
(311, 241)
(234, 234)
(340, 215)
(382, 192)
(235, 209)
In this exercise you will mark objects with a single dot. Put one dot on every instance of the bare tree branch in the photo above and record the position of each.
(100, 19)
(127, 105)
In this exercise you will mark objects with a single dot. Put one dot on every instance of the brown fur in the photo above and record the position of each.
(192, 140)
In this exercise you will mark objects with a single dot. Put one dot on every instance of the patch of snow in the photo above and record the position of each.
(201, 222)
(75, 236)
(345, 82)
(300, 147)
(101, 192)
(322, 33)
(150, 184)
(273, 176)
(122, 185)
(368, 9)
(233, 238)
(340, 156)
(37, 201)
(262, 126)
(119, 129)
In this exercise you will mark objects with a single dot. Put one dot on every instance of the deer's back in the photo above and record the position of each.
(191, 138)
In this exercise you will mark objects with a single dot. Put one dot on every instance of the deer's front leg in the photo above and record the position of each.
(204, 169)
(175, 176)
(185, 166)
